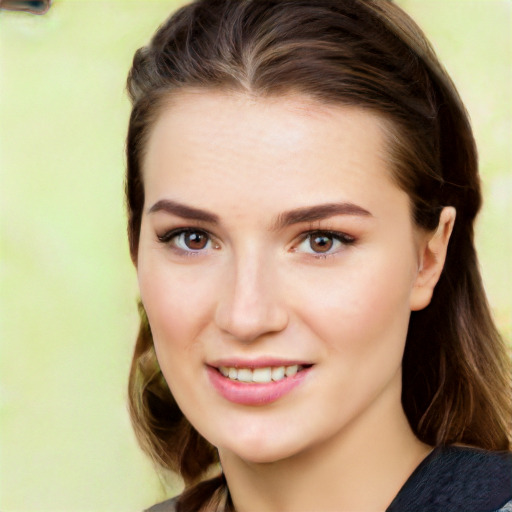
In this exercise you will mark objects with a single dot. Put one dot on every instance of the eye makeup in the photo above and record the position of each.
(188, 240)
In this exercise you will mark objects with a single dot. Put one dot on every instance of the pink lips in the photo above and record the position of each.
(249, 393)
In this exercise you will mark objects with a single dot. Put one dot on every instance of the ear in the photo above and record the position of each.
(431, 259)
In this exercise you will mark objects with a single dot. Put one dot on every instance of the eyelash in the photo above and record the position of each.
(344, 239)
(168, 237)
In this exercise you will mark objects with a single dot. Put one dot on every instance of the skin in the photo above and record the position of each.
(259, 289)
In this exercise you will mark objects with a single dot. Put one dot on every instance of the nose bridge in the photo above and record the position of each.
(250, 306)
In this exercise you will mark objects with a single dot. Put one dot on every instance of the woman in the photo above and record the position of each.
(302, 185)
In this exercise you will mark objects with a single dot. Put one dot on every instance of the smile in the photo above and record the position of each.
(256, 386)
(260, 375)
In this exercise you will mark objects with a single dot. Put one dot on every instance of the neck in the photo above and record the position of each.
(362, 468)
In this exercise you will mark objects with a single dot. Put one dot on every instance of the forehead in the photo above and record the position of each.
(213, 147)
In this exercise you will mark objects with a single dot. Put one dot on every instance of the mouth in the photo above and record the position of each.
(256, 384)
(263, 375)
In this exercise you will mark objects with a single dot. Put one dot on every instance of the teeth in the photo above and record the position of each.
(260, 375)
(244, 375)
(291, 370)
(278, 373)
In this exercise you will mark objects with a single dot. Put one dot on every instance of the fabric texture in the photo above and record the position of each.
(458, 479)
(165, 506)
(450, 479)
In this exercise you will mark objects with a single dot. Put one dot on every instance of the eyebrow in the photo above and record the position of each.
(318, 212)
(184, 211)
(295, 216)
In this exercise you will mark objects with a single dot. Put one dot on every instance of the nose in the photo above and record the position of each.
(249, 307)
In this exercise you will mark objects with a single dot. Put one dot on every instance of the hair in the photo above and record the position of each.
(363, 53)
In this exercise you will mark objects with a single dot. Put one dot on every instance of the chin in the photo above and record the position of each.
(262, 450)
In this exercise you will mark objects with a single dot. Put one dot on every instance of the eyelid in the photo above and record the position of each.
(343, 238)
(167, 238)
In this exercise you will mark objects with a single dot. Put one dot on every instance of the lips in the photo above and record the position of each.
(256, 383)
(263, 375)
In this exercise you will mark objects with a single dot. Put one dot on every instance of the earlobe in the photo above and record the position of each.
(432, 258)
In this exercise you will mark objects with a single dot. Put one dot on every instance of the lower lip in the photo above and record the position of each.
(247, 393)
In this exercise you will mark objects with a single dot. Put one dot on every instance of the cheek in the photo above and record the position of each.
(177, 307)
(362, 305)
(177, 303)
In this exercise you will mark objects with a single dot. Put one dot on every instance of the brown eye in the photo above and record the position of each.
(195, 240)
(321, 243)
(187, 240)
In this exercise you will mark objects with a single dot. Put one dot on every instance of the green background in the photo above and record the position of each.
(67, 289)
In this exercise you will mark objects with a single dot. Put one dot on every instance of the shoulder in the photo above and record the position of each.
(164, 506)
(458, 479)
(210, 494)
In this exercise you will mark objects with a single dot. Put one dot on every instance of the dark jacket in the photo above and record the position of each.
(450, 479)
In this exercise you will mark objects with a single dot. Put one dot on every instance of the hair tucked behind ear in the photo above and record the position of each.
(365, 53)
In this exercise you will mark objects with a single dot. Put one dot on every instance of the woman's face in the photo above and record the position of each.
(277, 265)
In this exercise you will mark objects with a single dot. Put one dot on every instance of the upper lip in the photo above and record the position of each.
(261, 362)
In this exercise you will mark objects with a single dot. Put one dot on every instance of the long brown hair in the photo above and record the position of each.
(365, 53)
